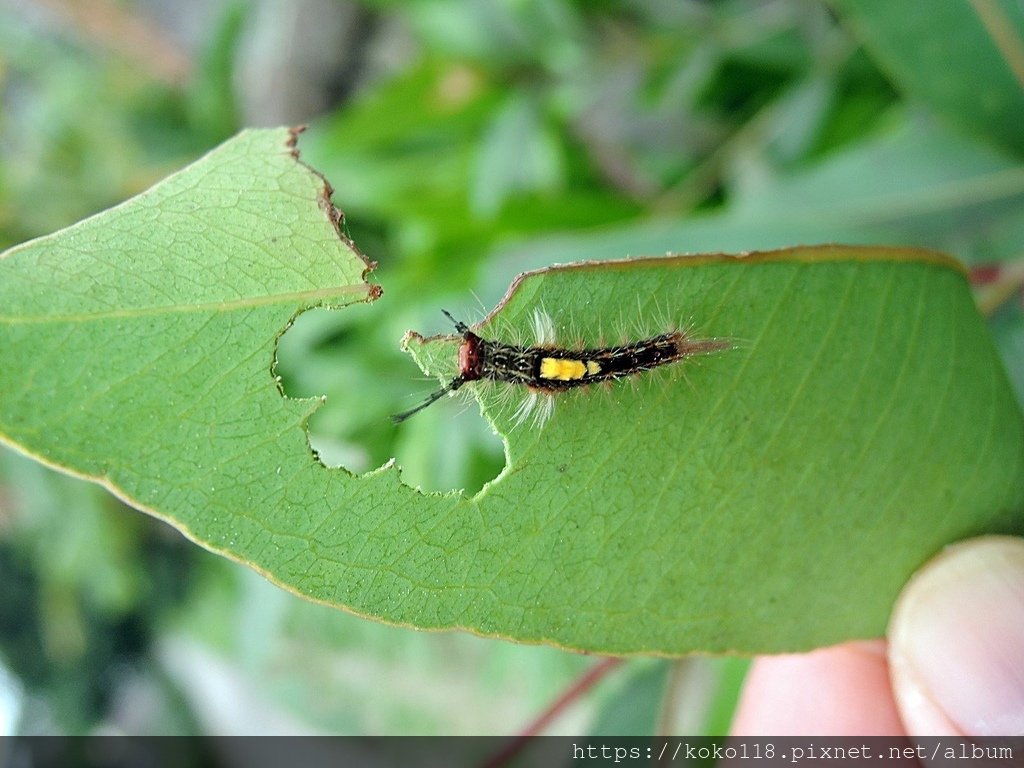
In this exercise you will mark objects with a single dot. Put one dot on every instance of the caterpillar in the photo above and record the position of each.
(546, 369)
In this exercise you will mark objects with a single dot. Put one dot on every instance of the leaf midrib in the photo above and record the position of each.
(248, 302)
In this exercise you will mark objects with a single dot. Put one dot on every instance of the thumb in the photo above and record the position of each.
(956, 642)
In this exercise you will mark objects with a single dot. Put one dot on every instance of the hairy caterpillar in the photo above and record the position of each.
(545, 369)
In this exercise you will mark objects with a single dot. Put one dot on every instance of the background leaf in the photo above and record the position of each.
(922, 44)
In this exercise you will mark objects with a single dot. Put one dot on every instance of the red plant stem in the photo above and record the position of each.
(584, 683)
(996, 284)
(984, 274)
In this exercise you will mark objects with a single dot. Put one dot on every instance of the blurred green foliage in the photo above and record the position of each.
(510, 135)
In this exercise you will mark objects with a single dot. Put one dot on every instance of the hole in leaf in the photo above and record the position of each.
(352, 358)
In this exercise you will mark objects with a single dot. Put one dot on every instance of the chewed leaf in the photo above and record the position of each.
(771, 495)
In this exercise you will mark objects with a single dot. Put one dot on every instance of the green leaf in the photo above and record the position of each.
(964, 59)
(633, 710)
(774, 496)
(771, 497)
(517, 155)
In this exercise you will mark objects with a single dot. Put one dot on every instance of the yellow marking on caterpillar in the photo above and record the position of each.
(546, 370)
(558, 369)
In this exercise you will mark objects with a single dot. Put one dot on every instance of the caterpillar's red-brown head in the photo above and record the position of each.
(471, 357)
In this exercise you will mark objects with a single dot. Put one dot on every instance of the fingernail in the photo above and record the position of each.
(957, 642)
